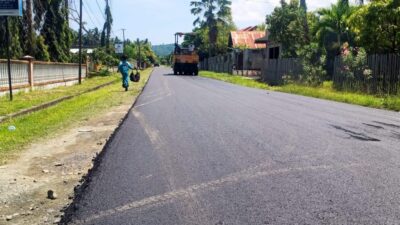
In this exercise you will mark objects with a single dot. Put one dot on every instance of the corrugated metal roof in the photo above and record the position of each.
(246, 38)
(253, 28)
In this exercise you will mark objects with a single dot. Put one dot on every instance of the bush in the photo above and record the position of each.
(101, 57)
(313, 60)
(355, 61)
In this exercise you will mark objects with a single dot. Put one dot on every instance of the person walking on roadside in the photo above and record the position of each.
(123, 68)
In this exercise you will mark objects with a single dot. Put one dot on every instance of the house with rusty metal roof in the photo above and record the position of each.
(274, 49)
(246, 38)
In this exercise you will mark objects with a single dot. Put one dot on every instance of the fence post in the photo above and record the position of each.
(30, 73)
(30, 60)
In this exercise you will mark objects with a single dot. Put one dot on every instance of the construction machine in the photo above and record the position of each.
(185, 61)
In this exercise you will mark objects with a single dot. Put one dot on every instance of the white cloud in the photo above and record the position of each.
(253, 12)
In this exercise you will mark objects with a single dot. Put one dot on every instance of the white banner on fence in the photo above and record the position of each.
(10, 7)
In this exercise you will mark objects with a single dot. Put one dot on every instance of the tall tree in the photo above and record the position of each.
(303, 5)
(334, 19)
(66, 7)
(106, 34)
(14, 24)
(344, 3)
(66, 35)
(39, 9)
(286, 25)
(28, 30)
(212, 13)
(55, 31)
(303, 13)
(377, 26)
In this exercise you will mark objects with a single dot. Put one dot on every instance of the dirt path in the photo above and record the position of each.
(58, 165)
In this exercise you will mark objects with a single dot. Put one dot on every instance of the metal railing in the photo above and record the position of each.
(35, 73)
(20, 73)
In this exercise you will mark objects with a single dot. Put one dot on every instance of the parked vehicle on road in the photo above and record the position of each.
(185, 61)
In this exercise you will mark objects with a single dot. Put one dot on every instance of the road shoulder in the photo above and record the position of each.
(57, 164)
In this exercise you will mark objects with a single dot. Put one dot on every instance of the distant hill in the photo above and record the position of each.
(163, 50)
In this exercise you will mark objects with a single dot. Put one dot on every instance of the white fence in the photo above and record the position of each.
(28, 74)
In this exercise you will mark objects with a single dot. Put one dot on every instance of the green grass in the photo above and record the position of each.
(30, 99)
(47, 122)
(324, 92)
(235, 79)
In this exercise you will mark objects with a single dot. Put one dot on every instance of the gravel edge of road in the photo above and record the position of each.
(79, 190)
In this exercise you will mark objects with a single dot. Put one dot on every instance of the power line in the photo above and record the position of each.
(80, 41)
(74, 15)
(92, 13)
(101, 10)
(76, 18)
(89, 16)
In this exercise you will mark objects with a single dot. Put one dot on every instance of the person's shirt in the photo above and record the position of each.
(124, 67)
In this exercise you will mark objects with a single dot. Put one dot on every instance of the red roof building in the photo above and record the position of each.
(246, 38)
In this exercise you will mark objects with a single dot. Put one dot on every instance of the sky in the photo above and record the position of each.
(158, 20)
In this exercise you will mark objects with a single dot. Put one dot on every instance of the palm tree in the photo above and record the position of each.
(334, 20)
(210, 14)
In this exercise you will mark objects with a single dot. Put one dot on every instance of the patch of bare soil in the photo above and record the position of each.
(56, 165)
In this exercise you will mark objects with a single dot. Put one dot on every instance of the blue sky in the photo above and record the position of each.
(158, 20)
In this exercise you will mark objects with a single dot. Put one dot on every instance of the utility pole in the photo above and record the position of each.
(139, 60)
(80, 42)
(140, 55)
(123, 35)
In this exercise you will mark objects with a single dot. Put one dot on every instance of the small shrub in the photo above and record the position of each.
(313, 59)
(355, 61)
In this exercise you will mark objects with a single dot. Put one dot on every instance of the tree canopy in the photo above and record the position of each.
(377, 26)
(43, 31)
(212, 17)
(106, 34)
(286, 26)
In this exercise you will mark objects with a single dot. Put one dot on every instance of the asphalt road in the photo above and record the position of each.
(200, 151)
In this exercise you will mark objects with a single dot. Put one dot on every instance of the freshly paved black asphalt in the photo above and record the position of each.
(200, 151)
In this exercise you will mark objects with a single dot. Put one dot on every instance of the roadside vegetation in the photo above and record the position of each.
(323, 91)
(342, 36)
(55, 119)
(236, 79)
(44, 32)
(26, 100)
(351, 31)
